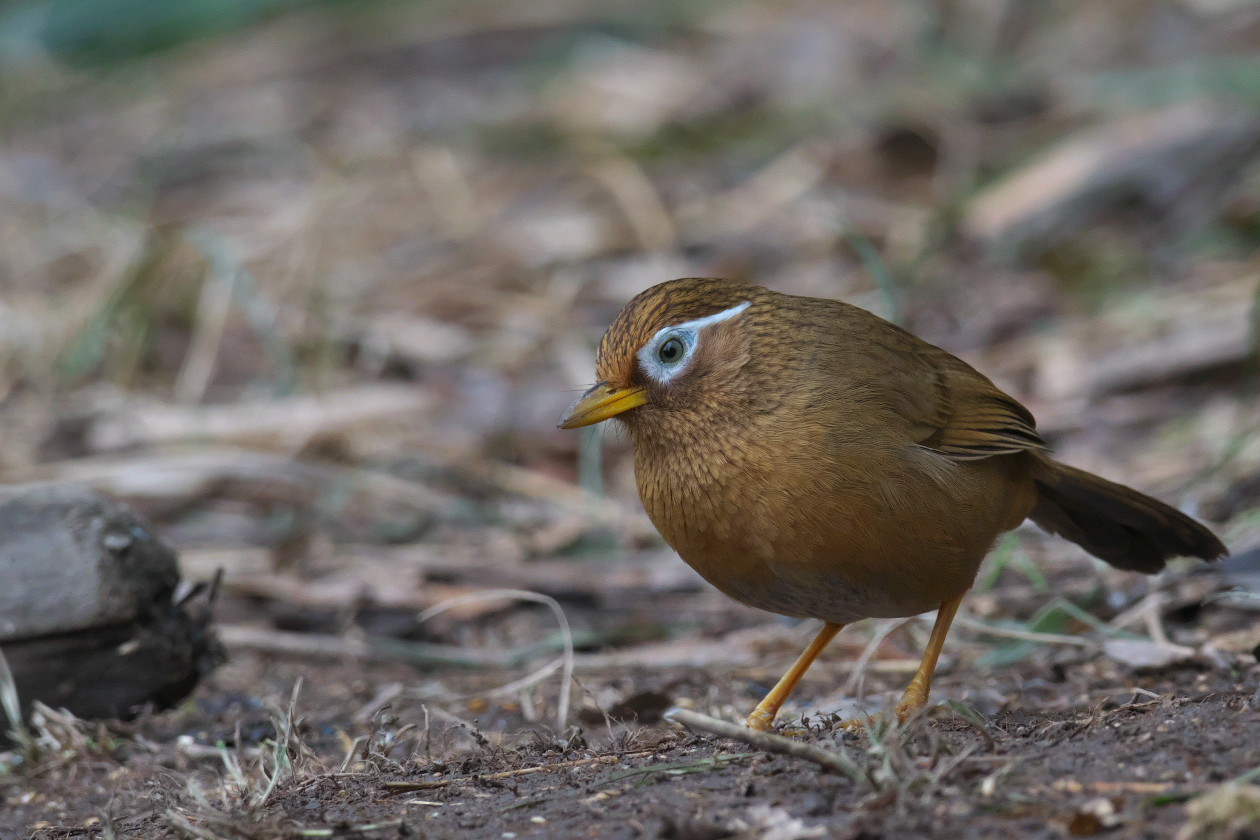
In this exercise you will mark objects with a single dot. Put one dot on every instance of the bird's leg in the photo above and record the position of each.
(762, 717)
(916, 694)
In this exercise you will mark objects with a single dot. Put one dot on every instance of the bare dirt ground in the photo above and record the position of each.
(311, 296)
(1072, 744)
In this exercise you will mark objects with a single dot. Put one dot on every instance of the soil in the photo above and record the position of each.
(1062, 741)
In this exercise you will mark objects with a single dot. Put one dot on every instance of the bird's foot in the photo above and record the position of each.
(911, 703)
(761, 720)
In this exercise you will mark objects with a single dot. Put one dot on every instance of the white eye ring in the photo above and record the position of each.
(688, 334)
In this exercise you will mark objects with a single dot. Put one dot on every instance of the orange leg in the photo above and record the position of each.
(916, 695)
(762, 717)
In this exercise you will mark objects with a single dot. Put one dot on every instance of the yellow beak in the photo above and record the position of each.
(600, 403)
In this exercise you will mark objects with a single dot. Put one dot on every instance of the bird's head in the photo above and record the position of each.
(678, 351)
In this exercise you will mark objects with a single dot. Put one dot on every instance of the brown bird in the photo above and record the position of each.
(811, 459)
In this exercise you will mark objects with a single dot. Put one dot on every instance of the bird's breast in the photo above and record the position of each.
(885, 534)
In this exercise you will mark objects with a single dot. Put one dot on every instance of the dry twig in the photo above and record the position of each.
(767, 741)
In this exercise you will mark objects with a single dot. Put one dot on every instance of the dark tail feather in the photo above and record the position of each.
(1114, 523)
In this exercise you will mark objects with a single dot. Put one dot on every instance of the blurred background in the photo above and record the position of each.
(310, 283)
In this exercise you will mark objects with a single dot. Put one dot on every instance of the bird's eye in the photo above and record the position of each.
(671, 352)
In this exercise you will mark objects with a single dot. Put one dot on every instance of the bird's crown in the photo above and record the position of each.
(690, 303)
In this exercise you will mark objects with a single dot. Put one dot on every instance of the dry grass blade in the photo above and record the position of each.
(11, 704)
(287, 423)
(566, 634)
(213, 309)
(537, 485)
(1134, 154)
(377, 649)
(1023, 635)
(638, 199)
(399, 826)
(283, 748)
(857, 679)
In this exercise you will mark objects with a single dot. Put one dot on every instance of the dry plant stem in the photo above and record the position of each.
(1022, 635)
(1154, 626)
(385, 695)
(438, 170)
(529, 680)
(367, 649)
(766, 741)
(638, 199)
(199, 751)
(429, 784)
(12, 707)
(213, 309)
(537, 485)
(353, 829)
(1141, 787)
(857, 677)
(450, 717)
(566, 679)
(707, 654)
(285, 424)
(1148, 612)
(1153, 602)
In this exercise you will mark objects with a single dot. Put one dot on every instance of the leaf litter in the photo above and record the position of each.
(321, 334)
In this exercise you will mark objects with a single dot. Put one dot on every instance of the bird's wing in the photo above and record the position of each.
(977, 420)
(951, 407)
